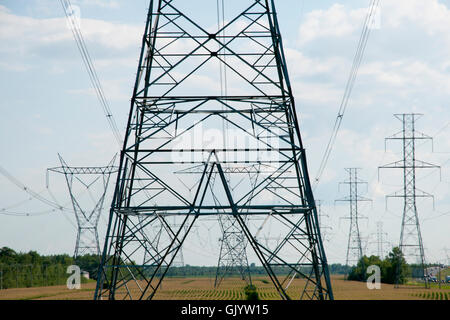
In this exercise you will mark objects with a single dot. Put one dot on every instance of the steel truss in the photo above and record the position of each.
(174, 99)
(354, 246)
(87, 219)
(381, 239)
(411, 244)
(233, 244)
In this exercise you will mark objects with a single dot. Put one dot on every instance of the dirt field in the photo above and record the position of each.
(232, 289)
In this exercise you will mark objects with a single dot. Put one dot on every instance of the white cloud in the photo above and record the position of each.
(316, 93)
(301, 65)
(406, 67)
(14, 66)
(431, 15)
(113, 89)
(99, 3)
(21, 33)
(334, 22)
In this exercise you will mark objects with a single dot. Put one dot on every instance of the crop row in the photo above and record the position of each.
(434, 295)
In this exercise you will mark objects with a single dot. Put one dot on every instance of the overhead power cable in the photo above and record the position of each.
(349, 87)
(79, 39)
(32, 193)
(76, 31)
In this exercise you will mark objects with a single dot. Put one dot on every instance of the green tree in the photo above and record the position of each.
(395, 262)
(89, 263)
(359, 273)
(389, 267)
(251, 293)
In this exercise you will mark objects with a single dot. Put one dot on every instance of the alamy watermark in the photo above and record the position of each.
(74, 280)
(231, 145)
(374, 280)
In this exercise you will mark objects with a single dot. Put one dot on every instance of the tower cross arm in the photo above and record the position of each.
(418, 164)
(85, 170)
(418, 193)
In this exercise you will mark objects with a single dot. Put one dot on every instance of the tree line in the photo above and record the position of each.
(18, 270)
(390, 265)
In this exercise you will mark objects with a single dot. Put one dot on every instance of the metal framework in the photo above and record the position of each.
(233, 244)
(354, 244)
(87, 219)
(175, 109)
(233, 254)
(411, 244)
(381, 240)
(323, 227)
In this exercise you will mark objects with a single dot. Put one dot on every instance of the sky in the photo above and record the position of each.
(48, 107)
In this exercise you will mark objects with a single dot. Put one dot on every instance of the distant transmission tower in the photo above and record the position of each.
(87, 218)
(233, 244)
(354, 244)
(381, 241)
(411, 244)
(321, 215)
(176, 102)
(178, 258)
(447, 256)
(233, 255)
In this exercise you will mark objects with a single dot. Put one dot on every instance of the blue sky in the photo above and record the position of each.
(48, 105)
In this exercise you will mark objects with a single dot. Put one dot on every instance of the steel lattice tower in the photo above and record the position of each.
(380, 239)
(87, 219)
(233, 244)
(175, 98)
(411, 244)
(321, 215)
(233, 255)
(354, 244)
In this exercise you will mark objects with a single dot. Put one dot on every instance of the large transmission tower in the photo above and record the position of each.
(411, 244)
(354, 243)
(87, 218)
(175, 109)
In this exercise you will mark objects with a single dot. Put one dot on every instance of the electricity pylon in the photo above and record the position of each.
(233, 244)
(323, 227)
(178, 260)
(87, 218)
(381, 240)
(175, 109)
(447, 256)
(411, 244)
(354, 243)
(232, 256)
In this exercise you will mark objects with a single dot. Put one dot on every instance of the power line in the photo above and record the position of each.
(28, 190)
(26, 214)
(442, 214)
(78, 36)
(349, 87)
(20, 203)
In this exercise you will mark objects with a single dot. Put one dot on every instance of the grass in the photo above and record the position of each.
(233, 289)
(433, 285)
(433, 295)
(188, 281)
